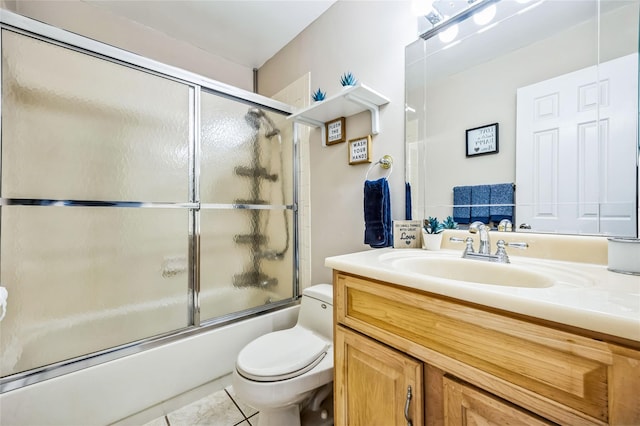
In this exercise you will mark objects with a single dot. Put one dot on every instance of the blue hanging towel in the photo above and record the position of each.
(501, 202)
(480, 196)
(407, 201)
(461, 204)
(378, 230)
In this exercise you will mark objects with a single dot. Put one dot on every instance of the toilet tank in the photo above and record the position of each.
(316, 310)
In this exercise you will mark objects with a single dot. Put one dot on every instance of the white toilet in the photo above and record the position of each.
(281, 372)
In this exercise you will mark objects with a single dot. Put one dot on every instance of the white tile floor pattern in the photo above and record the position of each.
(218, 409)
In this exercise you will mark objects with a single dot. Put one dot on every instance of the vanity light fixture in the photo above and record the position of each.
(441, 22)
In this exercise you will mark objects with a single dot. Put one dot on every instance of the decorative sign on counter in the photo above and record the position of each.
(360, 150)
(407, 234)
(482, 140)
(336, 131)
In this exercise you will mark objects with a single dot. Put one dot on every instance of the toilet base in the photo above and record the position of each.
(289, 416)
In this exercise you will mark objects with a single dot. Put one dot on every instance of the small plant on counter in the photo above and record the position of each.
(318, 95)
(348, 79)
(449, 223)
(433, 226)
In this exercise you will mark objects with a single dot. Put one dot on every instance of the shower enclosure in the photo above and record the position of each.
(139, 203)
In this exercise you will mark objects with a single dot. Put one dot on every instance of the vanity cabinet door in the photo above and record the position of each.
(374, 384)
(467, 405)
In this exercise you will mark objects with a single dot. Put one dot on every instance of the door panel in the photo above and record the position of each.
(575, 157)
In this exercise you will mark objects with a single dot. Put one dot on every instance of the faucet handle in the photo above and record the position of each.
(469, 247)
(501, 253)
(518, 245)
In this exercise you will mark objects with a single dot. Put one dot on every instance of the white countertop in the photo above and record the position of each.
(584, 295)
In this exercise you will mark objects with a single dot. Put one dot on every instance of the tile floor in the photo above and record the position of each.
(218, 409)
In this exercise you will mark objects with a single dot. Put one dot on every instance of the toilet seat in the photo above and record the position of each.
(281, 355)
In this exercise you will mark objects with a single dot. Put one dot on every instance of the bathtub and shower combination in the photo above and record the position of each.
(148, 228)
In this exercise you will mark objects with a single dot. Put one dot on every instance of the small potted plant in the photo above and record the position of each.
(449, 223)
(348, 80)
(318, 95)
(432, 233)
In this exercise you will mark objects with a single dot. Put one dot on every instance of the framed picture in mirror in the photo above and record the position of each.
(482, 140)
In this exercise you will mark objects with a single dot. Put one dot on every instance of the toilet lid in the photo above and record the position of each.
(281, 355)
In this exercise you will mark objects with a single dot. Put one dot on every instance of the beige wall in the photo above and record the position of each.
(91, 21)
(367, 38)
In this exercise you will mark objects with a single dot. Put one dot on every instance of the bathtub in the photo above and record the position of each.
(140, 383)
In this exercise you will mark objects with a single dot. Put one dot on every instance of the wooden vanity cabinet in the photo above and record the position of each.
(467, 405)
(378, 385)
(467, 364)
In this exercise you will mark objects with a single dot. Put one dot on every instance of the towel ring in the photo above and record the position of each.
(386, 162)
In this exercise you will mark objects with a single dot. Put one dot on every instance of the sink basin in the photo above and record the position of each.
(474, 271)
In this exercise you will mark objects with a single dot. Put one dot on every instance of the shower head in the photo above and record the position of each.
(255, 117)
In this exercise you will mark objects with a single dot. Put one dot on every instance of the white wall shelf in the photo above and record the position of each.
(349, 101)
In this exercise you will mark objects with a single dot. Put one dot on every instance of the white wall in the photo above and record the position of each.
(367, 38)
(94, 22)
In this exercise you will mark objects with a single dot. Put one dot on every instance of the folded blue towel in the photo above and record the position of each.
(501, 202)
(407, 201)
(461, 204)
(480, 196)
(378, 231)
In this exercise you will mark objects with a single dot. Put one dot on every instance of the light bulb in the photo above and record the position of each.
(485, 16)
(449, 34)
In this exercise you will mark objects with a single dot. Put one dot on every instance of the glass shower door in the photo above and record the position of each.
(95, 214)
(246, 216)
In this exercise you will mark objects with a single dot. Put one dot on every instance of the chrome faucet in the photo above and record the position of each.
(484, 251)
(501, 255)
(483, 230)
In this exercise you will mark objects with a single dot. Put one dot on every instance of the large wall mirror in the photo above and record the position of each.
(560, 80)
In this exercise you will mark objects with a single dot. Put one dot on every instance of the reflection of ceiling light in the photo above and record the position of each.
(523, 1)
(451, 45)
(449, 34)
(488, 27)
(528, 8)
(485, 16)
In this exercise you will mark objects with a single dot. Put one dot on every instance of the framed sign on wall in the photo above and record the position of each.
(360, 150)
(482, 140)
(336, 131)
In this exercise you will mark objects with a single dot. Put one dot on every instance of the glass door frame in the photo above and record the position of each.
(196, 83)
